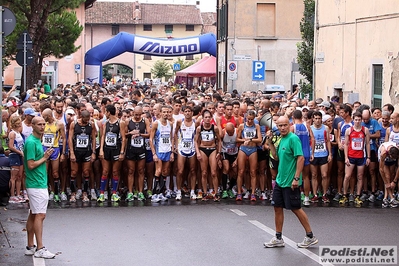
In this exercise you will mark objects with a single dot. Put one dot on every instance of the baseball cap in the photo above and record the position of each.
(325, 118)
(278, 96)
(30, 111)
(11, 103)
(43, 96)
(70, 112)
(325, 104)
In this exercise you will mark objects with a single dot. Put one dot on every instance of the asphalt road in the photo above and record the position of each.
(188, 233)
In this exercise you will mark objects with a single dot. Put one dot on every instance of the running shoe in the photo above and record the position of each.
(234, 191)
(371, 198)
(101, 198)
(135, 194)
(155, 198)
(253, 197)
(351, 198)
(68, 191)
(364, 197)
(393, 203)
(307, 242)
(178, 196)
(106, 195)
(325, 199)
(85, 197)
(246, 195)
(149, 194)
(343, 200)
(193, 196)
(57, 198)
(73, 198)
(21, 199)
(44, 253)
(93, 194)
(315, 199)
(129, 197)
(13, 199)
(239, 197)
(319, 194)
(210, 196)
(337, 197)
(199, 195)
(274, 243)
(64, 196)
(263, 196)
(380, 196)
(162, 197)
(26, 198)
(230, 193)
(78, 194)
(140, 196)
(385, 203)
(306, 201)
(358, 201)
(168, 194)
(311, 195)
(225, 195)
(216, 197)
(115, 198)
(51, 196)
(244, 190)
(302, 196)
(30, 251)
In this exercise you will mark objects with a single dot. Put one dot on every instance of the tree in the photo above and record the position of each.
(52, 27)
(161, 69)
(305, 48)
(183, 63)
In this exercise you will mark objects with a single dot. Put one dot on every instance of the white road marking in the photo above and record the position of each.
(238, 212)
(38, 261)
(289, 242)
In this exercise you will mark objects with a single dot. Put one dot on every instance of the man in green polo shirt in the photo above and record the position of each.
(286, 193)
(36, 186)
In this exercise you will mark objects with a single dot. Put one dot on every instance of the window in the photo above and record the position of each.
(190, 57)
(115, 29)
(146, 76)
(147, 27)
(189, 27)
(168, 28)
(266, 19)
(147, 57)
(377, 86)
(222, 26)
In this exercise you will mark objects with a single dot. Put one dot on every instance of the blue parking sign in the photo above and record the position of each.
(258, 70)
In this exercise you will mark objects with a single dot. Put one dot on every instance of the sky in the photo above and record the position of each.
(205, 5)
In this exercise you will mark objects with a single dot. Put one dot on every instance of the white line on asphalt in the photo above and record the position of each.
(290, 243)
(238, 212)
(38, 261)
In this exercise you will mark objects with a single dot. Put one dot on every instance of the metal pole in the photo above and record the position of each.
(1, 65)
(24, 61)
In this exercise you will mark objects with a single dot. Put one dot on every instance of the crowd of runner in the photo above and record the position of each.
(130, 142)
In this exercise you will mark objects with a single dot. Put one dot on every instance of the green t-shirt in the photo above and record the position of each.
(47, 88)
(288, 150)
(33, 150)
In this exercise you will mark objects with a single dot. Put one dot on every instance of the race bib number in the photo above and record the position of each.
(207, 135)
(110, 139)
(48, 140)
(147, 145)
(82, 141)
(320, 146)
(137, 142)
(164, 143)
(231, 149)
(187, 145)
(357, 144)
(249, 133)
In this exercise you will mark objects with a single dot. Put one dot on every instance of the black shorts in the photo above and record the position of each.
(83, 156)
(286, 198)
(273, 164)
(135, 156)
(390, 163)
(340, 155)
(262, 155)
(319, 160)
(228, 157)
(357, 161)
(373, 156)
(111, 154)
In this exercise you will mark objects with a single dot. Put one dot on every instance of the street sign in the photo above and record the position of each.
(176, 67)
(258, 70)
(8, 21)
(20, 57)
(77, 68)
(242, 57)
(232, 70)
(21, 39)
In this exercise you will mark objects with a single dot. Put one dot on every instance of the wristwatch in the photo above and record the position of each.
(296, 178)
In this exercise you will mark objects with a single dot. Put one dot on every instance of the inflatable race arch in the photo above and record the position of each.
(126, 42)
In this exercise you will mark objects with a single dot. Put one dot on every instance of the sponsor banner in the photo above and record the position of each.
(166, 47)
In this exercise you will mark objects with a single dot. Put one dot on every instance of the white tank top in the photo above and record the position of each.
(26, 130)
(229, 143)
